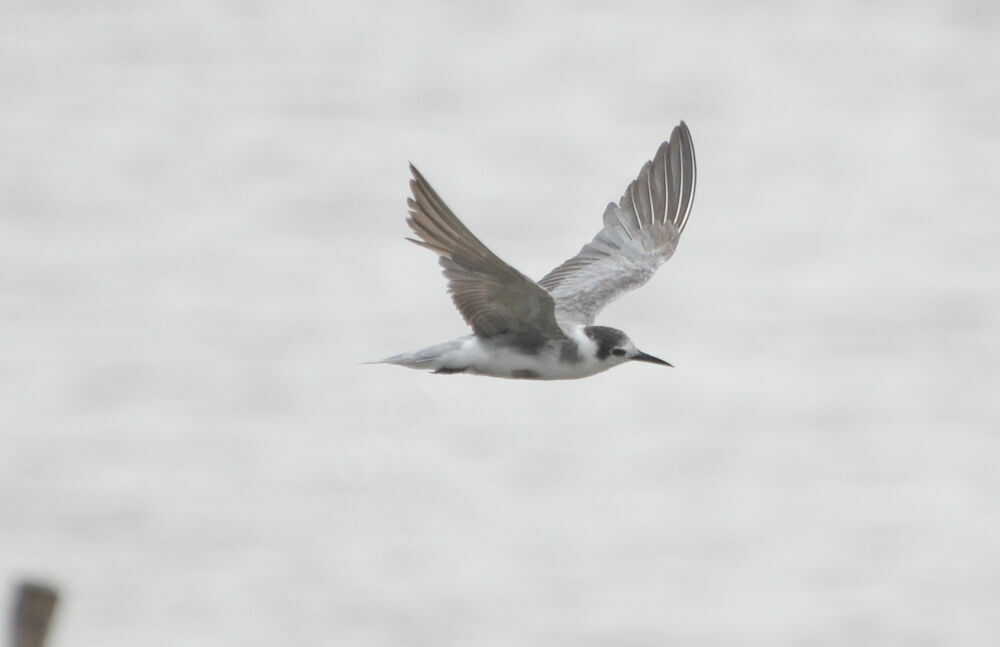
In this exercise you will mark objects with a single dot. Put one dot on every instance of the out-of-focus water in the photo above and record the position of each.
(201, 223)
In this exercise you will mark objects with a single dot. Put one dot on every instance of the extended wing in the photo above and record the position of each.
(492, 296)
(640, 233)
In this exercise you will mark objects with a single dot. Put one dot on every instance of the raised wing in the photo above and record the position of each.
(492, 296)
(640, 233)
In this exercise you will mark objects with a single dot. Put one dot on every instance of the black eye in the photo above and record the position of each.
(618, 351)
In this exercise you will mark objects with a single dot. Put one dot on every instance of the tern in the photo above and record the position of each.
(545, 330)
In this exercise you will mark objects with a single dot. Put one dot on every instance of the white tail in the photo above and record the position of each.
(427, 359)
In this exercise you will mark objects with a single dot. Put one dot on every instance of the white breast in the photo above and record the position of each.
(554, 361)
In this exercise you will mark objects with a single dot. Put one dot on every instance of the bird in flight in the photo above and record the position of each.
(545, 330)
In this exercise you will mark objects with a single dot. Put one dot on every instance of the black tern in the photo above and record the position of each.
(544, 330)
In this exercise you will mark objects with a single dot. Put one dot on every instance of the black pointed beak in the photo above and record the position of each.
(643, 357)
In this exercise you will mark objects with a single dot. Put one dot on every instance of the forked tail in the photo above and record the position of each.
(431, 358)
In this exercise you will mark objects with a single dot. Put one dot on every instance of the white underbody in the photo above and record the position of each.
(557, 359)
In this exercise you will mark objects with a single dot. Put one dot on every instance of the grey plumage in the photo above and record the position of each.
(528, 330)
(492, 296)
(640, 233)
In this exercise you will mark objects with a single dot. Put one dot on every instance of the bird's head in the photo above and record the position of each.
(615, 347)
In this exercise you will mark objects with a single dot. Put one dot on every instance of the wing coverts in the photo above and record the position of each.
(640, 233)
(493, 297)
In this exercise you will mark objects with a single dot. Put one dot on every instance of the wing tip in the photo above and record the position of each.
(682, 129)
(437, 249)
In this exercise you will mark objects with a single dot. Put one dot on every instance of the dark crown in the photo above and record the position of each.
(606, 339)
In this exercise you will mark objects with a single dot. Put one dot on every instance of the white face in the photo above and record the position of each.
(603, 348)
(623, 352)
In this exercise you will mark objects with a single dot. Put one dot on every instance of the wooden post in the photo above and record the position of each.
(32, 612)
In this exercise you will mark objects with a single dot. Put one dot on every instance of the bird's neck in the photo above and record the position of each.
(586, 347)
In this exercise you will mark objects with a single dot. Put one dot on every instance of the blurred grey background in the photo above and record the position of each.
(201, 238)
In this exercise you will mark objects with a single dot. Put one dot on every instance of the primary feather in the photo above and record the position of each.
(640, 233)
(493, 297)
